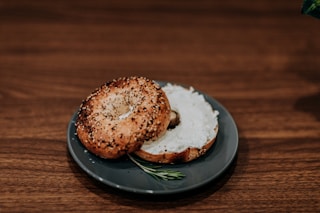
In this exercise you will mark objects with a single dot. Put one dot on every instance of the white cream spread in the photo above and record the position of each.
(197, 122)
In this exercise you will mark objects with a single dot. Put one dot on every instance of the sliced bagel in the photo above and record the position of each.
(119, 116)
(194, 133)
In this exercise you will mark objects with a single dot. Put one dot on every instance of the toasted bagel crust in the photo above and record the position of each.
(118, 117)
(187, 155)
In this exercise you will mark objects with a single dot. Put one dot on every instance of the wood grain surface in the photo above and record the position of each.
(260, 59)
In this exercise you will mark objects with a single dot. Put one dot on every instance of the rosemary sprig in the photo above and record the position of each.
(154, 171)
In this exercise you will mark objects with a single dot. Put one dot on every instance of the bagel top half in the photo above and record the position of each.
(118, 117)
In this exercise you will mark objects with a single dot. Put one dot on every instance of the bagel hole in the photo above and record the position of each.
(174, 119)
(124, 111)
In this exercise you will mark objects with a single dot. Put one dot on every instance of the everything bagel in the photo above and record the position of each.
(118, 117)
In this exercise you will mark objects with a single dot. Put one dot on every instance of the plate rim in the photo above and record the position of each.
(159, 192)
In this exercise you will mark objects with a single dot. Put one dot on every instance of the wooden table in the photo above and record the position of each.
(260, 59)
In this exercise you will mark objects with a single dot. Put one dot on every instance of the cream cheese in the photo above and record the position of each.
(197, 122)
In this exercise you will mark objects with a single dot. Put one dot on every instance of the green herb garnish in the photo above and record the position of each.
(154, 171)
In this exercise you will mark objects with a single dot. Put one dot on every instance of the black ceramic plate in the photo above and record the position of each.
(125, 175)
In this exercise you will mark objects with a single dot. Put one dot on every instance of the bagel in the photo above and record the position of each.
(119, 116)
(191, 137)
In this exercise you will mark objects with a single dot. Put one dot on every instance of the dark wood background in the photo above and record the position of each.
(260, 59)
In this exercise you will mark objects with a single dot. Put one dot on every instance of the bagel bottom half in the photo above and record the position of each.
(194, 134)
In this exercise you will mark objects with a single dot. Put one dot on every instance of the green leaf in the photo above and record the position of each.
(311, 7)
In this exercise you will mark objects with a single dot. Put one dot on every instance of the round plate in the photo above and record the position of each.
(125, 175)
